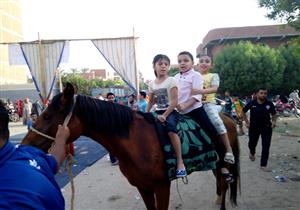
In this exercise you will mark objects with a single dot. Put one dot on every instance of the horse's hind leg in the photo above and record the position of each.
(162, 194)
(218, 188)
(222, 187)
(148, 197)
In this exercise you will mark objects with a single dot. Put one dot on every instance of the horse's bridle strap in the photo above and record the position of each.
(42, 134)
(66, 121)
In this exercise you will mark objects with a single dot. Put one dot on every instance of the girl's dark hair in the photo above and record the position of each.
(158, 58)
(187, 53)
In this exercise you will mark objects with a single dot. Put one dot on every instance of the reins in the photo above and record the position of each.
(69, 157)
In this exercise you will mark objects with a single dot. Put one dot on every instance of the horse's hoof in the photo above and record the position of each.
(218, 200)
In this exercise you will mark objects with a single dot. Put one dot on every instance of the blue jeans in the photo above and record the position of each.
(171, 121)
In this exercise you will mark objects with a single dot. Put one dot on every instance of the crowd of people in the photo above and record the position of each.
(191, 92)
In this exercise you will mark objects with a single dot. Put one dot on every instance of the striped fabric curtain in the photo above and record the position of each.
(120, 54)
(43, 59)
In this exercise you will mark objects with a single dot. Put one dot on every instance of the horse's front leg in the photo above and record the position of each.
(162, 194)
(148, 198)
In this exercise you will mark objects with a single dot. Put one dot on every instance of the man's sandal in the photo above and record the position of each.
(252, 157)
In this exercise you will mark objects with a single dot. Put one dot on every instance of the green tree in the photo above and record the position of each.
(142, 84)
(173, 71)
(75, 78)
(288, 10)
(244, 67)
(291, 55)
(85, 86)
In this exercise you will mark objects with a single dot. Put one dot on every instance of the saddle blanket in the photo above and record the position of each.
(198, 151)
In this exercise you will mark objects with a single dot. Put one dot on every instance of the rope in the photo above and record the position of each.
(42, 134)
(185, 181)
(70, 161)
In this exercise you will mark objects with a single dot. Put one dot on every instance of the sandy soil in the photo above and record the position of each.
(102, 186)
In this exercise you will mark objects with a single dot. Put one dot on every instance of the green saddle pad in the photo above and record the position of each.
(198, 151)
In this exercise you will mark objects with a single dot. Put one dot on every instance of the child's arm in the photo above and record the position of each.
(150, 102)
(186, 105)
(213, 86)
(212, 89)
(172, 105)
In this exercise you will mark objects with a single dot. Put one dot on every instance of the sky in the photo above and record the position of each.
(163, 26)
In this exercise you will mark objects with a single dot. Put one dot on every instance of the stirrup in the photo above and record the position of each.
(229, 158)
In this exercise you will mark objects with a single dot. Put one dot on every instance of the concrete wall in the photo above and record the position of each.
(14, 92)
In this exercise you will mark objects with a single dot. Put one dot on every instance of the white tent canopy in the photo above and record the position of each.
(120, 54)
(43, 61)
(43, 58)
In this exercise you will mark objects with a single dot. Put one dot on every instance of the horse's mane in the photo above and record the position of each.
(112, 119)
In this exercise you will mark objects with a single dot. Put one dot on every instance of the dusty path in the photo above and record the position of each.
(102, 186)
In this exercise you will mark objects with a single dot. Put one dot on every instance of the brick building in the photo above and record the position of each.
(271, 35)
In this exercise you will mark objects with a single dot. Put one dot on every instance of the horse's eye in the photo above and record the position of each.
(45, 116)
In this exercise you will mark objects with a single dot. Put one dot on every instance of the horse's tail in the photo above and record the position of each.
(235, 170)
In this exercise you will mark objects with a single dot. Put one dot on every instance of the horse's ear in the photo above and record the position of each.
(68, 92)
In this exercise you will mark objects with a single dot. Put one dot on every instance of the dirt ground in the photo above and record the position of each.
(102, 186)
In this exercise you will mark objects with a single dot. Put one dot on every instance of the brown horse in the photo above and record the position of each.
(128, 136)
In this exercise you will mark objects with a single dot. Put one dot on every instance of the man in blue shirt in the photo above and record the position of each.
(27, 173)
(142, 101)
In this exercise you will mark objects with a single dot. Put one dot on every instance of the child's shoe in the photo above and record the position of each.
(180, 173)
(229, 158)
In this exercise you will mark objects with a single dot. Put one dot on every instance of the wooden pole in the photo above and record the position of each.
(42, 69)
(60, 83)
(135, 65)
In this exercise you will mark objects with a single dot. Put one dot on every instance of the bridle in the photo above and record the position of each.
(66, 121)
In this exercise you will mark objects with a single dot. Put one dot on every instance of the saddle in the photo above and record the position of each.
(198, 151)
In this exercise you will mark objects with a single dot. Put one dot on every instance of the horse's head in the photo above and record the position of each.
(59, 110)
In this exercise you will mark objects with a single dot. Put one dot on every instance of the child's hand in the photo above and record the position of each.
(161, 118)
(62, 133)
(247, 124)
(196, 91)
(181, 107)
